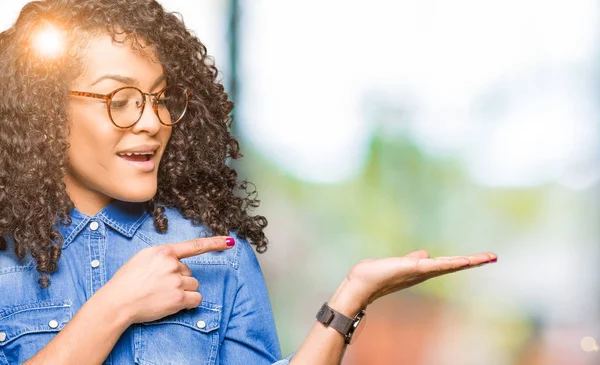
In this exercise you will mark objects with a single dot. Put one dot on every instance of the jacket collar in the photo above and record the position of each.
(123, 217)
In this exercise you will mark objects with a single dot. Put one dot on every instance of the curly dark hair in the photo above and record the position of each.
(193, 175)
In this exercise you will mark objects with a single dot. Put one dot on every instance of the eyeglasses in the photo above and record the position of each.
(125, 105)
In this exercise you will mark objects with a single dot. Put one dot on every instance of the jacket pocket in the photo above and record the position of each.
(189, 336)
(25, 329)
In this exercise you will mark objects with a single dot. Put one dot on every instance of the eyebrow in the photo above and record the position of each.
(128, 80)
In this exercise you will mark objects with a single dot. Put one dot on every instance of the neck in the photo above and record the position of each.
(85, 199)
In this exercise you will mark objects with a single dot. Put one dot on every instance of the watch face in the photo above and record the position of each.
(358, 328)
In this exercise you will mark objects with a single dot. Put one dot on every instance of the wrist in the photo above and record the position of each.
(112, 308)
(347, 299)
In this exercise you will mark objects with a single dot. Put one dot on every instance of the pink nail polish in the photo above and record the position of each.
(230, 241)
(494, 260)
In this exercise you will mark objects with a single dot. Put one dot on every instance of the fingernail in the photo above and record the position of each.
(230, 241)
(494, 260)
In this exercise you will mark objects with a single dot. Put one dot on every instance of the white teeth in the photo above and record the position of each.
(135, 153)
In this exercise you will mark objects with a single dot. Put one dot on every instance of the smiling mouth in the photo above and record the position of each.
(136, 156)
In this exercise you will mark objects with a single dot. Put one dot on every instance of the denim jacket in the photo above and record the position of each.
(233, 325)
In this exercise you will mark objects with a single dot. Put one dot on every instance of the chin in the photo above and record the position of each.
(137, 195)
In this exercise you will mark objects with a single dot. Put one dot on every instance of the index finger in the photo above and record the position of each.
(476, 259)
(448, 264)
(199, 246)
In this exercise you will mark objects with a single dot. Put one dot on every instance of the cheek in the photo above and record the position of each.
(164, 135)
(91, 142)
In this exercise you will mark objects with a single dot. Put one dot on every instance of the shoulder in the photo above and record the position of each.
(182, 229)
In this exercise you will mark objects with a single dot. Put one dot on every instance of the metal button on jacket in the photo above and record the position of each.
(95, 263)
(94, 226)
(53, 323)
(201, 324)
(2, 336)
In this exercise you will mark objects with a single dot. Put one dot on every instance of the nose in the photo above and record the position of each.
(149, 122)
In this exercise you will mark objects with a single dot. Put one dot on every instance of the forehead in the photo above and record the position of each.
(104, 56)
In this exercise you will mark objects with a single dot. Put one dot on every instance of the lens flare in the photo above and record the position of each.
(588, 344)
(48, 41)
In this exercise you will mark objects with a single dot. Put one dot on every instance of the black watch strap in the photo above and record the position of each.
(338, 321)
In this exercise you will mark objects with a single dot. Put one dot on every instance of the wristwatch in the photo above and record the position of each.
(349, 327)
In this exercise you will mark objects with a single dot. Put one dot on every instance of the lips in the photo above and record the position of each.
(142, 162)
(140, 157)
(136, 156)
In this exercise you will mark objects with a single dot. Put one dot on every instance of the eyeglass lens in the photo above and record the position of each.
(126, 105)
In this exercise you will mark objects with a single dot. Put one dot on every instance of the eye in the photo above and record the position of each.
(162, 102)
(127, 98)
(119, 104)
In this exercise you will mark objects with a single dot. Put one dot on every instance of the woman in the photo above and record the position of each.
(114, 136)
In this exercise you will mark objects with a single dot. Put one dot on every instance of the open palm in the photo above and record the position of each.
(374, 278)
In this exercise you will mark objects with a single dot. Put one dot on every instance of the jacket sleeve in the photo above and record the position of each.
(251, 335)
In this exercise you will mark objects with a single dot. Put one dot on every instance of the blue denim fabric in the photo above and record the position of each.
(233, 324)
